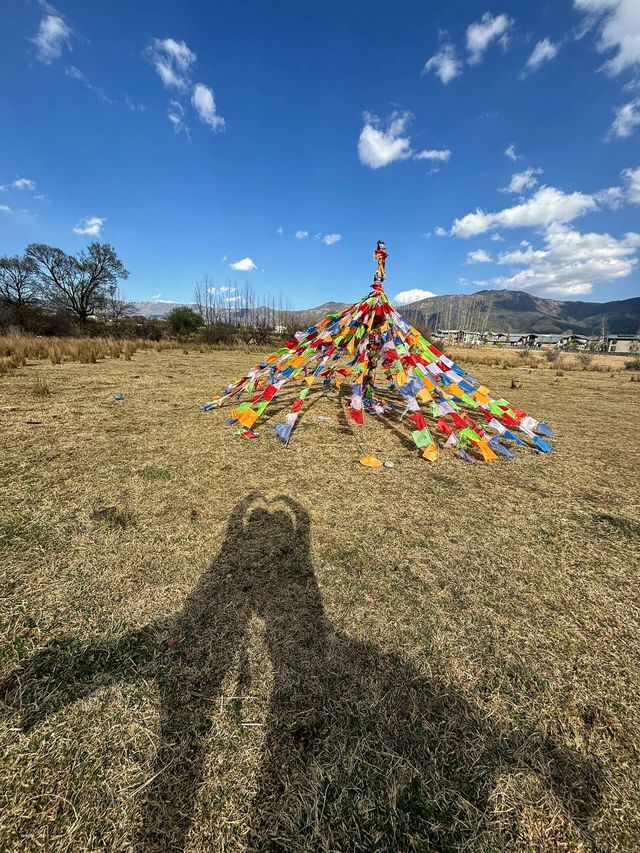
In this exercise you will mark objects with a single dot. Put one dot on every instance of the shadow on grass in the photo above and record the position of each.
(361, 752)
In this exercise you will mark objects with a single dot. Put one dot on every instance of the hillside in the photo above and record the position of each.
(517, 311)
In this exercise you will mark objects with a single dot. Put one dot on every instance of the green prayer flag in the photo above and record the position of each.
(422, 437)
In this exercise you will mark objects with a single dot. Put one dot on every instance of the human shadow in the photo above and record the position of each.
(361, 752)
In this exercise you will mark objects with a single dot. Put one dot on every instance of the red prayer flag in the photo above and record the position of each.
(418, 419)
(357, 415)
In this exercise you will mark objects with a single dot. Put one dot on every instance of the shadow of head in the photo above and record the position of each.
(267, 539)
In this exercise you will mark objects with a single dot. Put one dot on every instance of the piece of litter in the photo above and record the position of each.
(324, 418)
(388, 463)
(118, 397)
(370, 461)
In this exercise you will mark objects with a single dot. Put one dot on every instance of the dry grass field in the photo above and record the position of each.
(217, 644)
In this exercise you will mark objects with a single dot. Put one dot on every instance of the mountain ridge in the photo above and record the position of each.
(495, 310)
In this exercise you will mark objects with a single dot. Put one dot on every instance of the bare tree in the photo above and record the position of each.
(115, 306)
(208, 300)
(604, 332)
(18, 281)
(77, 284)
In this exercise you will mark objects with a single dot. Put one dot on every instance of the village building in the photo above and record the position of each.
(624, 344)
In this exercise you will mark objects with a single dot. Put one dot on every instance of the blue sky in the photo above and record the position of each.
(489, 144)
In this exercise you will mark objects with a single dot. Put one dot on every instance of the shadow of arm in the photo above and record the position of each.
(72, 668)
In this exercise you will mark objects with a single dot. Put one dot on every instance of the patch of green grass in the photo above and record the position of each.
(114, 516)
(21, 530)
(150, 473)
(622, 525)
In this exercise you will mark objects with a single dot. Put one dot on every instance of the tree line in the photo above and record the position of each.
(48, 291)
(46, 280)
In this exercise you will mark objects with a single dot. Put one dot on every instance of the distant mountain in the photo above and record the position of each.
(494, 310)
(158, 310)
(309, 316)
(306, 316)
(517, 311)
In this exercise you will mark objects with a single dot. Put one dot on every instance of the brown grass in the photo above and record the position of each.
(494, 356)
(423, 657)
(41, 387)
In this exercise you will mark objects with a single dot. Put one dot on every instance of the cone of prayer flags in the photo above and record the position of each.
(371, 347)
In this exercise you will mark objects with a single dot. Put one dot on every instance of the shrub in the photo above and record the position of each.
(183, 320)
(584, 359)
(55, 354)
(41, 387)
(219, 334)
(634, 364)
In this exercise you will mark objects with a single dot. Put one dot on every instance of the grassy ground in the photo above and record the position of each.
(216, 644)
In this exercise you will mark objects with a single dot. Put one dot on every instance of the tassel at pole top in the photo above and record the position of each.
(380, 256)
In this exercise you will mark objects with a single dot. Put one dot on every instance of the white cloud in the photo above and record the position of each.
(441, 154)
(439, 231)
(155, 297)
(632, 178)
(522, 181)
(76, 74)
(245, 265)
(5, 208)
(444, 64)
(135, 108)
(547, 205)
(497, 238)
(413, 295)
(479, 256)
(619, 27)
(301, 235)
(203, 100)
(172, 61)
(571, 263)
(53, 35)
(90, 226)
(280, 231)
(379, 145)
(510, 152)
(627, 119)
(544, 51)
(482, 33)
(175, 114)
(612, 197)
(24, 184)
(330, 239)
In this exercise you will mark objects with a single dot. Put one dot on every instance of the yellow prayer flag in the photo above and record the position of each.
(487, 453)
(247, 418)
(431, 452)
(479, 397)
(370, 461)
